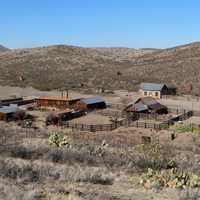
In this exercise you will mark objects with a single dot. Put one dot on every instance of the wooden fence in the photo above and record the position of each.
(132, 121)
(110, 127)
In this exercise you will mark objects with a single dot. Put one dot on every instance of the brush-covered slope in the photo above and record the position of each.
(111, 68)
(3, 49)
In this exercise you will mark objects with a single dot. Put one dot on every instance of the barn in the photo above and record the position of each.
(7, 112)
(57, 102)
(156, 90)
(147, 105)
(92, 103)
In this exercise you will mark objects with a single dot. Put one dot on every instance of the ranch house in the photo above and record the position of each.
(156, 90)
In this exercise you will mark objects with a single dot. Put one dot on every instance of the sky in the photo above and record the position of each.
(99, 23)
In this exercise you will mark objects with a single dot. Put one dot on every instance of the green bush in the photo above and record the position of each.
(173, 178)
(58, 140)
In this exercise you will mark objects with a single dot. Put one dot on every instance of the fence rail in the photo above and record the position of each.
(130, 121)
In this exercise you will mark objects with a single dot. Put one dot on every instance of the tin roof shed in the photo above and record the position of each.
(8, 109)
(92, 100)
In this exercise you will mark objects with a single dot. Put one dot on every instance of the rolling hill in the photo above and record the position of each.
(111, 68)
(3, 49)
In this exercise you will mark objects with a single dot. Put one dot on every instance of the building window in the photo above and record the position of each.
(156, 94)
(145, 93)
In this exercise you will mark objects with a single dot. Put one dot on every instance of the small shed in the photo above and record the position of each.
(156, 90)
(92, 103)
(7, 112)
(147, 105)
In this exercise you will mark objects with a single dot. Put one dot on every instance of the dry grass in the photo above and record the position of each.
(85, 68)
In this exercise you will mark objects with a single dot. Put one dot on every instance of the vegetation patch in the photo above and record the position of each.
(185, 128)
(172, 178)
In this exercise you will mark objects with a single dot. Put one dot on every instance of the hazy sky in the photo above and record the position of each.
(127, 23)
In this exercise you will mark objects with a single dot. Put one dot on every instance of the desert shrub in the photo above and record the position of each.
(185, 128)
(16, 171)
(173, 178)
(189, 194)
(11, 191)
(51, 119)
(58, 140)
(25, 171)
(19, 115)
(155, 156)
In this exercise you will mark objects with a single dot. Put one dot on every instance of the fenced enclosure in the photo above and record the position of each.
(138, 120)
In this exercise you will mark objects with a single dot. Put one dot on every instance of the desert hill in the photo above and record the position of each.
(111, 68)
(3, 49)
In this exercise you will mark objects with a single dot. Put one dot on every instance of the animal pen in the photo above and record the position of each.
(128, 121)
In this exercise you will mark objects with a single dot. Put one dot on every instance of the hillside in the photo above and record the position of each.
(3, 49)
(111, 68)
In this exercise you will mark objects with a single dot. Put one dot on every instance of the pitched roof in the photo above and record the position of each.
(92, 100)
(151, 103)
(147, 101)
(152, 86)
(139, 107)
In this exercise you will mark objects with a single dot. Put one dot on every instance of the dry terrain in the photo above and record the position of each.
(102, 165)
(64, 66)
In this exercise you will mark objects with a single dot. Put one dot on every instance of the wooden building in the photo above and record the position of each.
(7, 112)
(156, 90)
(147, 105)
(17, 101)
(57, 102)
(92, 103)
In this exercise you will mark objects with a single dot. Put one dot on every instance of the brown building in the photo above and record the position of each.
(92, 103)
(147, 105)
(7, 112)
(57, 102)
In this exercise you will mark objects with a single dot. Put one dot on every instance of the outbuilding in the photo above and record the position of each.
(7, 112)
(57, 102)
(147, 105)
(156, 90)
(92, 103)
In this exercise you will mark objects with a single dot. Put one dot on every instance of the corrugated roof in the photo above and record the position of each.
(92, 100)
(9, 109)
(140, 107)
(152, 86)
(150, 103)
(148, 100)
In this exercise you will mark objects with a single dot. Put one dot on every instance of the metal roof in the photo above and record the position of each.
(8, 109)
(152, 86)
(140, 107)
(93, 100)
(147, 100)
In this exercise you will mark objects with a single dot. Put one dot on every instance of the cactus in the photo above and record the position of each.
(173, 178)
(58, 140)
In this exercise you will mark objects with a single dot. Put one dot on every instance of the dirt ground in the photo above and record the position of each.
(193, 120)
(119, 96)
(92, 119)
(119, 138)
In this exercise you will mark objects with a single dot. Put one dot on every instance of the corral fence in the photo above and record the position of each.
(131, 121)
(110, 127)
